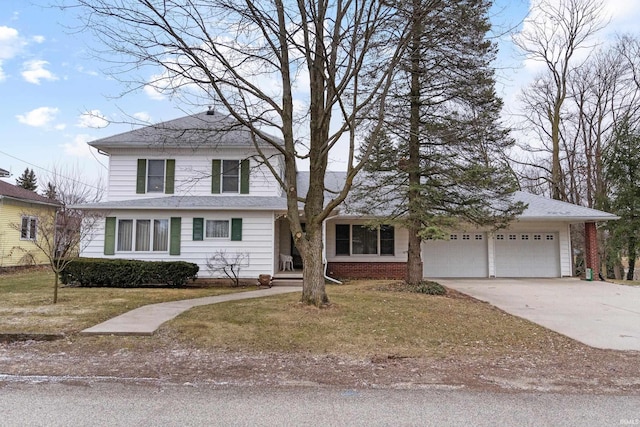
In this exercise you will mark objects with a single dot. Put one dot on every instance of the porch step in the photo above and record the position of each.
(287, 281)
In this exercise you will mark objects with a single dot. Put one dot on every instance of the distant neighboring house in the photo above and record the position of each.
(4, 173)
(186, 188)
(20, 211)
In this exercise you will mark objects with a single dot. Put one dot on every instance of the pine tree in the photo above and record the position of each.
(51, 191)
(27, 180)
(445, 125)
(622, 171)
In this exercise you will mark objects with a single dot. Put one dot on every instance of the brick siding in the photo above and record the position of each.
(591, 248)
(367, 270)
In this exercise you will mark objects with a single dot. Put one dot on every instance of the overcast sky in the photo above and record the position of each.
(55, 97)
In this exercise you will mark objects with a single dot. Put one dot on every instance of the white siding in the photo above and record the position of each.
(257, 241)
(192, 173)
(400, 246)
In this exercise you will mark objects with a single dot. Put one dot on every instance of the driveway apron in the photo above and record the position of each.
(599, 314)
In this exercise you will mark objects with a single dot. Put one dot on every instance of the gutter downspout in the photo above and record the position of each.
(324, 251)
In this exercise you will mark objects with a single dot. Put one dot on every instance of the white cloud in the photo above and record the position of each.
(3, 76)
(143, 116)
(78, 147)
(60, 126)
(40, 117)
(34, 71)
(38, 39)
(92, 119)
(153, 93)
(10, 42)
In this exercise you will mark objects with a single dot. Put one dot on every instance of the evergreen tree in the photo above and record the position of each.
(51, 192)
(622, 171)
(27, 180)
(444, 120)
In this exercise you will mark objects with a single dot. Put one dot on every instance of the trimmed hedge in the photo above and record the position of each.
(124, 273)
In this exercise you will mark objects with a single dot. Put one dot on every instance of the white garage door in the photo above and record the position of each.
(463, 255)
(527, 254)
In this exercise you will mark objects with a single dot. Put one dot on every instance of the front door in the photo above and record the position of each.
(297, 258)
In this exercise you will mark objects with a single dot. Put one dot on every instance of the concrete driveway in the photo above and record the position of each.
(599, 314)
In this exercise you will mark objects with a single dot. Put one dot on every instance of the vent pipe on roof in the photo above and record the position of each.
(210, 111)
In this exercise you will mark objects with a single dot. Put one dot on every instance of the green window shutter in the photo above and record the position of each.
(215, 176)
(142, 175)
(174, 239)
(169, 176)
(236, 229)
(198, 228)
(244, 176)
(110, 235)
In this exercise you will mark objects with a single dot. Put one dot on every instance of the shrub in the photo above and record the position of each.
(429, 288)
(123, 273)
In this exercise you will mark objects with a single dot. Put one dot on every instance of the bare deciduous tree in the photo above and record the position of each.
(61, 233)
(311, 72)
(555, 33)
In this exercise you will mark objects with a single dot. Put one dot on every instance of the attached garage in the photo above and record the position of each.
(527, 254)
(463, 255)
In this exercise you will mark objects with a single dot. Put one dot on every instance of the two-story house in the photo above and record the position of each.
(21, 211)
(187, 188)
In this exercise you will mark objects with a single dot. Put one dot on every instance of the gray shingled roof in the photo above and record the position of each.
(195, 203)
(539, 208)
(197, 130)
(18, 193)
(542, 208)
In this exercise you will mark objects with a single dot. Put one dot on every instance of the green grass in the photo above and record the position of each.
(26, 302)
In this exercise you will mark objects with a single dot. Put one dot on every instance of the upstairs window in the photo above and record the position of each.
(155, 176)
(230, 176)
(28, 227)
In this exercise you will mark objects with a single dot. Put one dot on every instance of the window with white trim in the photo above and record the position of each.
(155, 176)
(28, 228)
(143, 235)
(217, 229)
(362, 240)
(230, 176)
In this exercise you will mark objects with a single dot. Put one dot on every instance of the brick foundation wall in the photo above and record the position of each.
(367, 270)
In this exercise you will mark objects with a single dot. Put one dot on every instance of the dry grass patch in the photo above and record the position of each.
(365, 319)
(25, 302)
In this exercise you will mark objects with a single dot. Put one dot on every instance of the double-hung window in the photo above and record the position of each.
(143, 235)
(155, 176)
(361, 240)
(28, 228)
(217, 229)
(230, 176)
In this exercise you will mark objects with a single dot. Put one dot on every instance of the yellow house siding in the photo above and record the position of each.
(13, 250)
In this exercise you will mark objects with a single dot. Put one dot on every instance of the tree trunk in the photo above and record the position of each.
(55, 287)
(414, 261)
(631, 249)
(311, 246)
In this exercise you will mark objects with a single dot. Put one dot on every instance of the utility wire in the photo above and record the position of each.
(52, 172)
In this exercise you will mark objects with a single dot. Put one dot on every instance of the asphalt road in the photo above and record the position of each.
(87, 403)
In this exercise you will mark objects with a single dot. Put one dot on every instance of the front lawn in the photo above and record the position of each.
(25, 302)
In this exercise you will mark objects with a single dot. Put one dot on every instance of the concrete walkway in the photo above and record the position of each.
(146, 319)
(599, 314)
